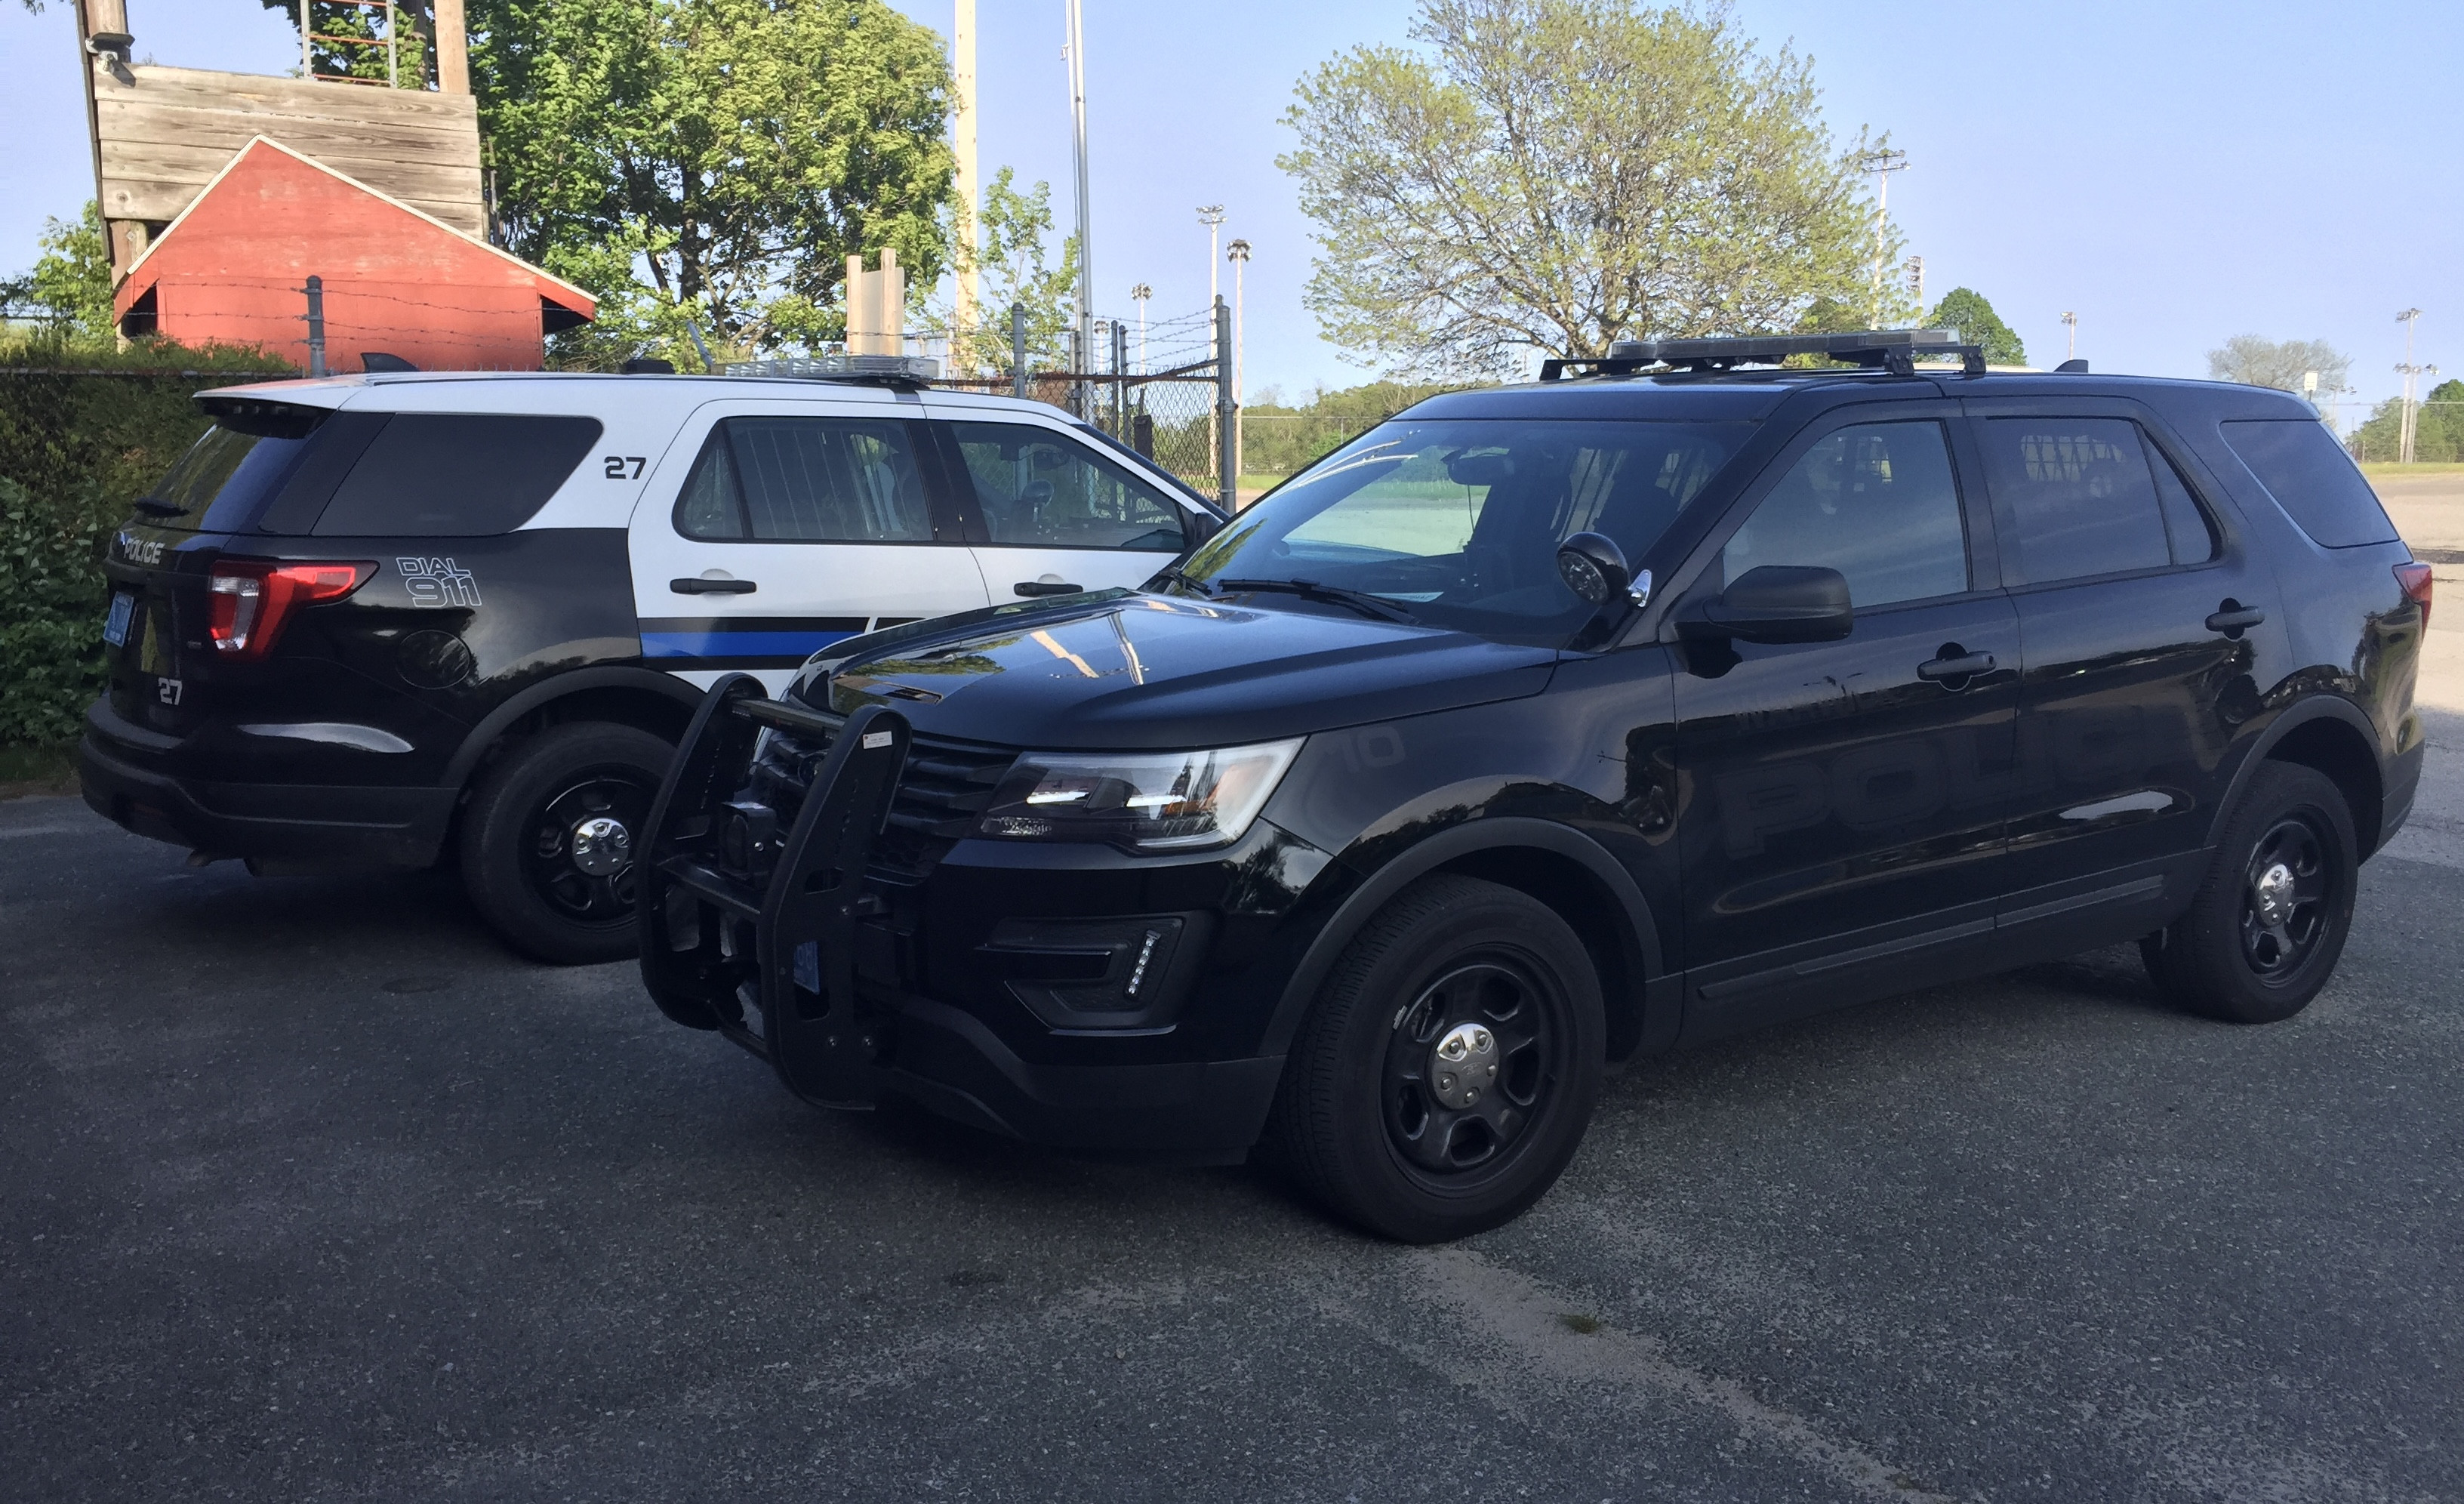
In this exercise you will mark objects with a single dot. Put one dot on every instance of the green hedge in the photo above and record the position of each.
(83, 431)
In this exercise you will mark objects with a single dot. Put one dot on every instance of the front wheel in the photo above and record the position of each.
(1447, 1070)
(547, 843)
(2269, 919)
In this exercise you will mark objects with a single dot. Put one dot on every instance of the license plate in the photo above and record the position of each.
(115, 627)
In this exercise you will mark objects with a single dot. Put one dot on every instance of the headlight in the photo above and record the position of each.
(1138, 801)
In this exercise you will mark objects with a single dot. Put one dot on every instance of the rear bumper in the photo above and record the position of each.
(119, 770)
(2402, 785)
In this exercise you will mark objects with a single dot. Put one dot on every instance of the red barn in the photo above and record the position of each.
(234, 268)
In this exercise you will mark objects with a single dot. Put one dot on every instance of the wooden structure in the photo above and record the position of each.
(234, 268)
(161, 134)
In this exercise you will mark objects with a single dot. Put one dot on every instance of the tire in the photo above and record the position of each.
(549, 898)
(2256, 947)
(1362, 1118)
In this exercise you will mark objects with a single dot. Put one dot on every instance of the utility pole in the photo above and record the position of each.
(1139, 295)
(962, 142)
(1085, 220)
(2070, 336)
(1881, 163)
(2412, 374)
(1238, 253)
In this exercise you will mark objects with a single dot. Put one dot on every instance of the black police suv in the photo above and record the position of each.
(404, 619)
(1547, 725)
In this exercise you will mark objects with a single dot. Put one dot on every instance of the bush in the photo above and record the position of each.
(83, 431)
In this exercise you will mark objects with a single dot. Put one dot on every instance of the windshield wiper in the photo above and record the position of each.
(159, 507)
(1360, 601)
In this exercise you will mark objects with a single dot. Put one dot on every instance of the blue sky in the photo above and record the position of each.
(2174, 172)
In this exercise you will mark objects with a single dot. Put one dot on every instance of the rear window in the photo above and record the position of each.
(2313, 479)
(454, 474)
(219, 483)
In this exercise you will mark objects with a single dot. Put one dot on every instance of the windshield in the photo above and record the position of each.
(1457, 523)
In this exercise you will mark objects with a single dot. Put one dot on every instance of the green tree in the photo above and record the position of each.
(2256, 362)
(1012, 262)
(2438, 433)
(351, 41)
(1967, 311)
(1547, 175)
(711, 162)
(70, 281)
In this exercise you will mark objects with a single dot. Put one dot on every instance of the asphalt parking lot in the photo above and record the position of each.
(311, 1192)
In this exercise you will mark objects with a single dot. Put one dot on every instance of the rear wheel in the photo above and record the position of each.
(1446, 1073)
(547, 843)
(2269, 919)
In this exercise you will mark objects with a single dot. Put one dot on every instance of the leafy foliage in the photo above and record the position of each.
(50, 633)
(361, 55)
(1967, 311)
(70, 284)
(1012, 264)
(2257, 361)
(1278, 439)
(2438, 439)
(1547, 175)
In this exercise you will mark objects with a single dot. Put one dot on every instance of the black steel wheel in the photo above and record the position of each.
(1447, 1070)
(547, 842)
(2264, 932)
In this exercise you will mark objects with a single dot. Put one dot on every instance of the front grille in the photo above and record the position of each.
(944, 789)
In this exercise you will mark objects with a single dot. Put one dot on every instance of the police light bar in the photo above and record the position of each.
(1893, 350)
(894, 370)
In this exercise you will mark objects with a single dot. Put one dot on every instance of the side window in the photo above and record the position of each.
(2313, 479)
(456, 474)
(1034, 487)
(1876, 502)
(806, 480)
(2084, 498)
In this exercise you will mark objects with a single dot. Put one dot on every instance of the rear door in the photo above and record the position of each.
(774, 528)
(2142, 615)
(1049, 512)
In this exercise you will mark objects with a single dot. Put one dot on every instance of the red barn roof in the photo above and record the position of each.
(233, 267)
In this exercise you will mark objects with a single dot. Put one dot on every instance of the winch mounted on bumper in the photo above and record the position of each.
(770, 960)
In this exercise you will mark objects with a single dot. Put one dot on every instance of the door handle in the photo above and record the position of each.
(713, 586)
(1035, 587)
(2234, 618)
(1965, 666)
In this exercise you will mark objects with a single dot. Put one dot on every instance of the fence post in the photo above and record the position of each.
(315, 325)
(1120, 380)
(1018, 350)
(1223, 444)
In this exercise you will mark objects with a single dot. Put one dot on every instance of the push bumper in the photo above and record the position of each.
(119, 772)
(772, 961)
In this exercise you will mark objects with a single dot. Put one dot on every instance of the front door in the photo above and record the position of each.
(1051, 515)
(2144, 621)
(775, 529)
(1843, 802)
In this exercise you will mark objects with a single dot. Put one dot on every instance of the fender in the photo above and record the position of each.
(1499, 832)
(573, 682)
(2291, 718)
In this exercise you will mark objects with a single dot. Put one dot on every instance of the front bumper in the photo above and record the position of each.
(120, 770)
(794, 967)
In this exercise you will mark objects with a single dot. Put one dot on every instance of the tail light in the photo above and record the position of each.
(251, 599)
(2415, 578)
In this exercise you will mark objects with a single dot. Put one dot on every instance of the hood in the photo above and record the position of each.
(1123, 671)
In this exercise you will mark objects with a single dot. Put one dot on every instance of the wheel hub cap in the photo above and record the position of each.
(1463, 1065)
(2272, 894)
(601, 845)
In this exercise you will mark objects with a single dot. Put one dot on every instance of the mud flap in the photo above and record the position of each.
(804, 948)
(683, 961)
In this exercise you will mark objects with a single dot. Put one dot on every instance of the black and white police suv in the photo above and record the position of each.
(1543, 726)
(385, 618)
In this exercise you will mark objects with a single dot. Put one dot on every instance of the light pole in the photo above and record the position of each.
(1881, 163)
(2070, 337)
(1139, 295)
(1239, 254)
(962, 141)
(1086, 222)
(2411, 374)
(1211, 216)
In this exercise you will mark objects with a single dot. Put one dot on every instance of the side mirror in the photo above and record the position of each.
(1594, 568)
(1777, 603)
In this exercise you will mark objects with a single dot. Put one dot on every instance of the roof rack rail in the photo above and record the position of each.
(879, 370)
(1892, 350)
